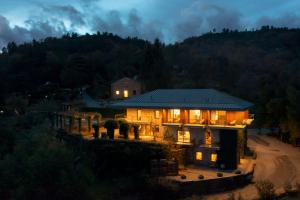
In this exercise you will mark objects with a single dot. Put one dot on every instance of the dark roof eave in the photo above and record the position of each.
(182, 107)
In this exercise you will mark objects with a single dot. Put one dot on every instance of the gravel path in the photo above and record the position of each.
(276, 161)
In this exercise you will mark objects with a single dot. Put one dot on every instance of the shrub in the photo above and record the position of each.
(182, 176)
(219, 174)
(124, 127)
(297, 185)
(201, 176)
(240, 197)
(96, 128)
(110, 126)
(287, 187)
(136, 131)
(231, 196)
(265, 190)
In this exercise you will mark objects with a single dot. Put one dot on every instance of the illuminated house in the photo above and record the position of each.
(124, 88)
(210, 125)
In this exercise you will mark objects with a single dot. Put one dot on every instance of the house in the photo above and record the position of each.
(208, 124)
(124, 88)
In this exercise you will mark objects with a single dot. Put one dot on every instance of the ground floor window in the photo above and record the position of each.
(199, 155)
(213, 157)
(184, 136)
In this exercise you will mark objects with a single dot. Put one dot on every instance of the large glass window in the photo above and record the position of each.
(125, 93)
(139, 114)
(195, 116)
(218, 117)
(184, 136)
(199, 155)
(213, 157)
(157, 114)
(174, 115)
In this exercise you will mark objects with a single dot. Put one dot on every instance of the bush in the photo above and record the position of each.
(231, 196)
(96, 129)
(182, 176)
(124, 127)
(265, 190)
(136, 131)
(287, 187)
(219, 174)
(110, 126)
(200, 177)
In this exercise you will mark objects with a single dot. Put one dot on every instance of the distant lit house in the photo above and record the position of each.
(124, 88)
(208, 124)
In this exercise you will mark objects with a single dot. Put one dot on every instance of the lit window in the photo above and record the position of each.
(198, 155)
(125, 93)
(208, 137)
(195, 116)
(213, 157)
(176, 113)
(184, 136)
(117, 92)
(139, 114)
(157, 114)
(214, 115)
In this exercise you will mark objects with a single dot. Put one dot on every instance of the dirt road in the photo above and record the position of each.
(276, 161)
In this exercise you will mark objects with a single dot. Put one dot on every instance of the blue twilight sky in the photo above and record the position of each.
(169, 20)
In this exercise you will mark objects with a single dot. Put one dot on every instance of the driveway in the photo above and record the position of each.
(276, 161)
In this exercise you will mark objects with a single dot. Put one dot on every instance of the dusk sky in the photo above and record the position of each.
(169, 20)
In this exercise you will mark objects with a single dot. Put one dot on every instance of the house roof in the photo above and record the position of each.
(124, 79)
(185, 98)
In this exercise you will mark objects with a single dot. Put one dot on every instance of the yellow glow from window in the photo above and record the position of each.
(184, 136)
(125, 93)
(139, 114)
(157, 114)
(117, 92)
(213, 157)
(198, 155)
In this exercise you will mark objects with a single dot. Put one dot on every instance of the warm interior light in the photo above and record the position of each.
(117, 92)
(125, 93)
(139, 114)
(157, 114)
(184, 137)
(198, 155)
(213, 157)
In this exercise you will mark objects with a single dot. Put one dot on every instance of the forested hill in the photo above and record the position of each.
(262, 66)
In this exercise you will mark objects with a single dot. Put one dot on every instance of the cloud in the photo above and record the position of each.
(223, 18)
(68, 12)
(200, 18)
(35, 29)
(131, 25)
(286, 20)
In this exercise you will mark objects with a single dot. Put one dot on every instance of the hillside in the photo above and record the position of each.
(262, 66)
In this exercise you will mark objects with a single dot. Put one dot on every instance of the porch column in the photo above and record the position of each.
(70, 123)
(56, 120)
(89, 123)
(79, 125)
(60, 120)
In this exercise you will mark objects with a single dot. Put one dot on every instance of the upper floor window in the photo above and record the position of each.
(156, 114)
(195, 116)
(139, 114)
(174, 115)
(125, 93)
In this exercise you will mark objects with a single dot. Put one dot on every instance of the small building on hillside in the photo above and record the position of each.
(209, 125)
(124, 88)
